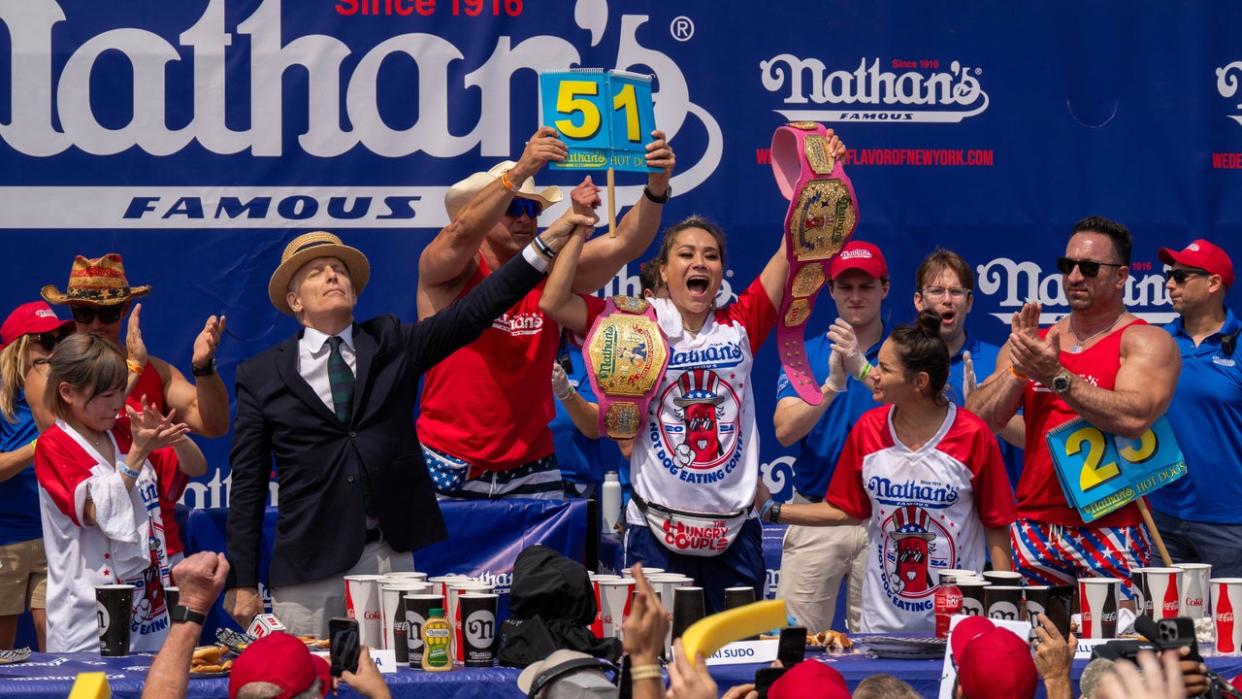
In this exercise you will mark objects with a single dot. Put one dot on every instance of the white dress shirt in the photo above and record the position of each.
(313, 351)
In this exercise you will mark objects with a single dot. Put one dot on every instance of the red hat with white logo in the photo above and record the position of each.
(1203, 255)
(992, 662)
(282, 660)
(32, 318)
(858, 255)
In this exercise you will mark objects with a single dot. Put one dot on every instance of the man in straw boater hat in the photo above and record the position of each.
(99, 295)
(331, 406)
(485, 411)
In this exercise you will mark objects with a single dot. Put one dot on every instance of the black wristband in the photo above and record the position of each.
(657, 200)
(543, 248)
(205, 370)
(774, 515)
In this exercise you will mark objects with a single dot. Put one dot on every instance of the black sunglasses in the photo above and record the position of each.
(1089, 268)
(106, 314)
(1181, 276)
(50, 340)
(519, 206)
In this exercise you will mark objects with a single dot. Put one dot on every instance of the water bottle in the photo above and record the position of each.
(948, 601)
(610, 501)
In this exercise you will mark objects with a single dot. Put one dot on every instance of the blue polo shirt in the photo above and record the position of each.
(19, 495)
(983, 356)
(819, 450)
(583, 460)
(1206, 416)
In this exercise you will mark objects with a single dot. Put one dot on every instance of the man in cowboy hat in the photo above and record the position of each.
(331, 406)
(485, 411)
(99, 294)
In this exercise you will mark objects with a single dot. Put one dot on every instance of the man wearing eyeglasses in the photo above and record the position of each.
(1200, 515)
(485, 409)
(99, 296)
(944, 284)
(1100, 363)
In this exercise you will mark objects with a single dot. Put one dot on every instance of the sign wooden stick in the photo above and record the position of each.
(1155, 533)
(612, 204)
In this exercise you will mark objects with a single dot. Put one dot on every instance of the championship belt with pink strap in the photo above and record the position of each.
(626, 355)
(823, 213)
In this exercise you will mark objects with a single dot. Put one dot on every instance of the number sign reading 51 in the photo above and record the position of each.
(1101, 472)
(606, 119)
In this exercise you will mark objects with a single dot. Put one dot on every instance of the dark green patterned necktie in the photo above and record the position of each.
(341, 381)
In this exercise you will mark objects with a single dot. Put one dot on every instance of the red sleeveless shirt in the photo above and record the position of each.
(1039, 492)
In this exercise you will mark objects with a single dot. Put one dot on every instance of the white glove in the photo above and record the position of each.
(836, 373)
(969, 382)
(560, 383)
(841, 334)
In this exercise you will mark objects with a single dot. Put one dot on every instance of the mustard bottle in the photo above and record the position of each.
(437, 642)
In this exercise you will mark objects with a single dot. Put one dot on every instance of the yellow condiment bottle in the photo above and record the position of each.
(437, 642)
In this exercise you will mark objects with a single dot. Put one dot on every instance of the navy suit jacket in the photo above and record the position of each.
(319, 461)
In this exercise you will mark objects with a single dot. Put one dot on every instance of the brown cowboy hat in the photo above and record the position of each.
(307, 247)
(98, 282)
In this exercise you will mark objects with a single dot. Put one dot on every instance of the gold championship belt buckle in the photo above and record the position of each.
(626, 355)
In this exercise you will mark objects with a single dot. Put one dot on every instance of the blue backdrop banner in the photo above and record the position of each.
(197, 137)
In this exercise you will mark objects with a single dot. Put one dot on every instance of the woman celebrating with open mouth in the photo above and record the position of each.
(924, 475)
(695, 464)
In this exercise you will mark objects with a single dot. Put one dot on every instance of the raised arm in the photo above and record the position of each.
(558, 299)
(438, 335)
(604, 256)
(450, 254)
(1150, 364)
(996, 401)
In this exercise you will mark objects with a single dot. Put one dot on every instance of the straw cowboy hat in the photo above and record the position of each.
(99, 282)
(462, 192)
(307, 247)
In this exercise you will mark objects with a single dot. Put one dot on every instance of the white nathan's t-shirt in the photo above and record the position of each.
(698, 449)
(125, 546)
(923, 509)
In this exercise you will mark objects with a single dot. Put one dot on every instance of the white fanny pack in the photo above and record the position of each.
(692, 533)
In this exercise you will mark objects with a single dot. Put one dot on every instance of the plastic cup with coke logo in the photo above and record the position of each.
(1195, 577)
(1226, 602)
(615, 597)
(1158, 592)
(362, 604)
(1098, 599)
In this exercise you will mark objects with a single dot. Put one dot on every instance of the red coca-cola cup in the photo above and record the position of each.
(1227, 597)
(1097, 601)
(1158, 591)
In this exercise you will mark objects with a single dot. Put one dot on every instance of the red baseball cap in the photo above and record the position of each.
(31, 319)
(992, 663)
(861, 256)
(809, 679)
(1202, 255)
(282, 660)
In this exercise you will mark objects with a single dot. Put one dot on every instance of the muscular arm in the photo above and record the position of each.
(1150, 364)
(204, 405)
(1014, 432)
(996, 401)
(169, 675)
(815, 514)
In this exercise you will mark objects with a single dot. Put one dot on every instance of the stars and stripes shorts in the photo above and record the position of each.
(539, 479)
(1054, 554)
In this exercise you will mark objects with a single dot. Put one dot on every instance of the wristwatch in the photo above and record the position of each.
(204, 370)
(180, 613)
(1061, 382)
(774, 514)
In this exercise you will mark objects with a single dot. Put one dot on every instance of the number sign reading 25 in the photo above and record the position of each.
(606, 119)
(1101, 472)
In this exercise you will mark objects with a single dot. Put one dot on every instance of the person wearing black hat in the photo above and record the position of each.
(331, 405)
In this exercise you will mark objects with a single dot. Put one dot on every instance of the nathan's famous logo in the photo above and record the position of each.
(912, 91)
(913, 543)
(701, 443)
(50, 112)
(1227, 84)
(1016, 282)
